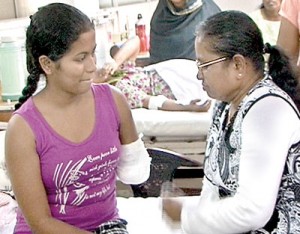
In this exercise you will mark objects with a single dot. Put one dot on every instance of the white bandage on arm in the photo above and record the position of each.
(156, 102)
(134, 163)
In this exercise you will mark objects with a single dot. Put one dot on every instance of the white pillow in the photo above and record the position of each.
(4, 181)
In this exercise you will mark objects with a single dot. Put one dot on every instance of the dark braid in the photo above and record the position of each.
(281, 70)
(34, 70)
(52, 30)
(29, 89)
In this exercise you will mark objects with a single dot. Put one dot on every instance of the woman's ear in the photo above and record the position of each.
(240, 64)
(46, 64)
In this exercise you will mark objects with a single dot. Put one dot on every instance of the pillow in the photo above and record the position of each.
(5, 184)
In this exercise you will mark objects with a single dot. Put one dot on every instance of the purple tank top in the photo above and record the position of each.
(80, 178)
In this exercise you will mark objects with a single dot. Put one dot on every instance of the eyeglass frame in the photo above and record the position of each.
(200, 66)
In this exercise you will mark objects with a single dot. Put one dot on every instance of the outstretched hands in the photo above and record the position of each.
(172, 208)
(110, 67)
(104, 74)
(199, 106)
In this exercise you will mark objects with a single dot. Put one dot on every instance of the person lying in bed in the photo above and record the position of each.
(148, 88)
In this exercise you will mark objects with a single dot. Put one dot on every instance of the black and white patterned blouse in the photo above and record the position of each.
(252, 168)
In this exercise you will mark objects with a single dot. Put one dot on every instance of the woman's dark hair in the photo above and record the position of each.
(52, 30)
(234, 32)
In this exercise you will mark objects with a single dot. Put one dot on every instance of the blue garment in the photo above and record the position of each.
(172, 31)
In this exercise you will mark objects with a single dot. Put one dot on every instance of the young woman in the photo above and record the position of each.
(251, 166)
(268, 19)
(66, 145)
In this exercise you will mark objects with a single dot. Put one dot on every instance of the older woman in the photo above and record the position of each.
(251, 182)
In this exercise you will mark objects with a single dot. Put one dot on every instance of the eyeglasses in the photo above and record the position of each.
(209, 63)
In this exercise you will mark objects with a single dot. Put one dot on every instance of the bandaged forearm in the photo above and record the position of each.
(134, 163)
(156, 102)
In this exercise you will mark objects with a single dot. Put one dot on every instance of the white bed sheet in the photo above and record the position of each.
(3, 126)
(172, 124)
(144, 215)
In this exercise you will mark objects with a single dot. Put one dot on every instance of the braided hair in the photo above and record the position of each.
(52, 30)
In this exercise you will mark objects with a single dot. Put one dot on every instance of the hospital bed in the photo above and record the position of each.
(179, 131)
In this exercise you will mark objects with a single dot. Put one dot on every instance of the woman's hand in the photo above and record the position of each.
(110, 67)
(104, 74)
(203, 107)
(172, 207)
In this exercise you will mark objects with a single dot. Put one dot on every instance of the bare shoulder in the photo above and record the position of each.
(128, 131)
(18, 133)
(20, 151)
(120, 99)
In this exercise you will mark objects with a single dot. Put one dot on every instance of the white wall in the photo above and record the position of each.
(125, 13)
(16, 27)
(131, 12)
(26, 7)
(7, 9)
(242, 5)
(147, 9)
